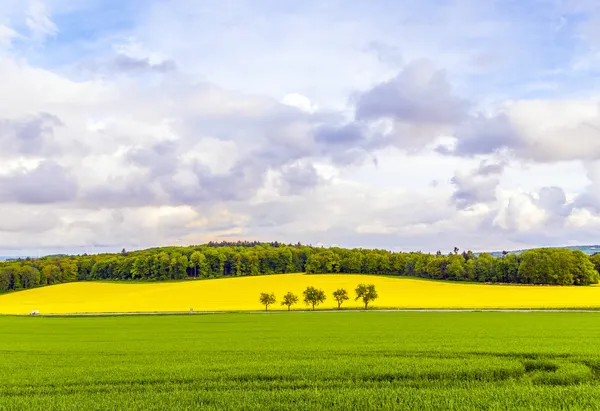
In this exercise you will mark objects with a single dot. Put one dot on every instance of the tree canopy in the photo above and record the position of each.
(267, 299)
(553, 266)
(340, 295)
(289, 299)
(314, 296)
(366, 293)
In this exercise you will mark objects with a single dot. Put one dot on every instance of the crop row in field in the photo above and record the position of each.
(341, 361)
(232, 294)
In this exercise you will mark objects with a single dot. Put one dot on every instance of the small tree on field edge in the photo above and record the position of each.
(367, 293)
(314, 296)
(340, 296)
(267, 299)
(289, 299)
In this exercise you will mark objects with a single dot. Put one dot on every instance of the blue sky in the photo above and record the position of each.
(405, 125)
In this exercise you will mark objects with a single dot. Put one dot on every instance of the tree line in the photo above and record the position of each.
(314, 296)
(553, 266)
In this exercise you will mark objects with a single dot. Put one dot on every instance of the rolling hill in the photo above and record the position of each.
(231, 294)
(587, 249)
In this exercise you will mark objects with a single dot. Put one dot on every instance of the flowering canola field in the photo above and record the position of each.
(231, 294)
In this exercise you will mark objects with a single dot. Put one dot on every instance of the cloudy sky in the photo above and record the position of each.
(407, 125)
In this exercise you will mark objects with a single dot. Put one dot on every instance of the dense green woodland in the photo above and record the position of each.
(540, 266)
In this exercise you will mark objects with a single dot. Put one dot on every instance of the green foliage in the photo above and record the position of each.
(289, 299)
(366, 293)
(456, 267)
(267, 299)
(556, 266)
(340, 295)
(539, 266)
(314, 296)
(334, 361)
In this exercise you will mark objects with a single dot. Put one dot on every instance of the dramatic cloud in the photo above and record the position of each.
(485, 135)
(47, 183)
(297, 178)
(179, 124)
(33, 135)
(477, 186)
(418, 94)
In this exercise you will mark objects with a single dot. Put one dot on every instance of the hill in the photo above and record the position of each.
(587, 249)
(242, 293)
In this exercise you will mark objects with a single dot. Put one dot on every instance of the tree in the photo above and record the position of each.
(69, 270)
(51, 273)
(584, 272)
(314, 296)
(267, 299)
(30, 277)
(367, 293)
(340, 295)
(456, 267)
(289, 299)
(139, 268)
(485, 268)
(178, 267)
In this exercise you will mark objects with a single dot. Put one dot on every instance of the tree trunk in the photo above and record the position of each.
(339, 304)
(266, 307)
(366, 306)
(289, 306)
(313, 306)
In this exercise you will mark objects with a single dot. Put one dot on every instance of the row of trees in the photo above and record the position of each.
(538, 266)
(314, 296)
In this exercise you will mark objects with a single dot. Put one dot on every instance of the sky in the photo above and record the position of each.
(404, 125)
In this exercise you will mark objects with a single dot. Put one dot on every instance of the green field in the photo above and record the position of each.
(306, 361)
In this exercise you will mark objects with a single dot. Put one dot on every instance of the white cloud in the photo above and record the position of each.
(519, 213)
(39, 21)
(557, 130)
(175, 131)
(6, 35)
(299, 101)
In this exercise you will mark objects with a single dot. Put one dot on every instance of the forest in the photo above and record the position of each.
(551, 266)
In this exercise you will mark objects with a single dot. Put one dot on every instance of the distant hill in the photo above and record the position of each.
(587, 249)
(12, 257)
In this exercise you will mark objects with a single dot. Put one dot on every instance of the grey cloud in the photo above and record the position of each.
(471, 191)
(478, 186)
(418, 95)
(161, 159)
(26, 220)
(126, 63)
(239, 183)
(486, 169)
(118, 193)
(273, 137)
(298, 178)
(349, 144)
(590, 198)
(47, 183)
(277, 134)
(554, 201)
(485, 135)
(28, 136)
(349, 134)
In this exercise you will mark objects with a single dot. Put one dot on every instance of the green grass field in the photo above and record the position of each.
(306, 361)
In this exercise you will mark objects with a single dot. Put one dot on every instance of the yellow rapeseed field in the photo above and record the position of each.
(242, 294)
